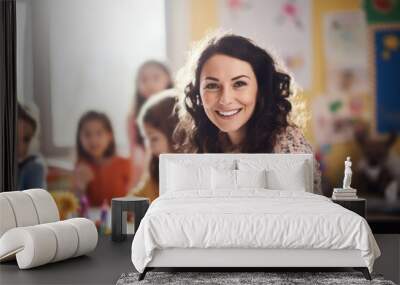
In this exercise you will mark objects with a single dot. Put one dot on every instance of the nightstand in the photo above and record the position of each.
(119, 209)
(358, 205)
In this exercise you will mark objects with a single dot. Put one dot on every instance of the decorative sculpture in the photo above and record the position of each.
(347, 174)
(346, 192)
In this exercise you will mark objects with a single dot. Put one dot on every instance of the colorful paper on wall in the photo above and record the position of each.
(334, 117)
(345, 47)
(281, 26)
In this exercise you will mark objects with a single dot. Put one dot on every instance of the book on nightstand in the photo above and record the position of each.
(344, 194)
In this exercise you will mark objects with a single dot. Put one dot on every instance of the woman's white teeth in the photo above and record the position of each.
(229, 113)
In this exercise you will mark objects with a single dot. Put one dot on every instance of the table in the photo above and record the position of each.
(102, 266)
(119, 208)
(356, 205)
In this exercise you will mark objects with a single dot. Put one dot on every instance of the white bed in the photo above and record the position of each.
(247, 210)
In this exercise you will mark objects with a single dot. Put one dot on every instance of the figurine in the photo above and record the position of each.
(347, 192)
(347, 174)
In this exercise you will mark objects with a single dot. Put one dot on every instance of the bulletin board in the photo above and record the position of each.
(385, 73)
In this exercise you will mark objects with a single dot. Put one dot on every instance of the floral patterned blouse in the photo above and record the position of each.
(292, 140)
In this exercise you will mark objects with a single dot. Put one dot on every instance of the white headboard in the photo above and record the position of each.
(213, 159)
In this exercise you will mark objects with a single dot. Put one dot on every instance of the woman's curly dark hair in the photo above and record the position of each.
(196, 133)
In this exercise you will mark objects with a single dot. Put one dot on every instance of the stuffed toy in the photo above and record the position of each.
(378, 171)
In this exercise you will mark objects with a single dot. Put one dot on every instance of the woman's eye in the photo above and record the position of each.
(239, 84)
(211, 86)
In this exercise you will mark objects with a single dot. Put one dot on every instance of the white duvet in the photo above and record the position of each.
(252, 218)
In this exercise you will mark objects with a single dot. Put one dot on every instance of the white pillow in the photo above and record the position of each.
(281, 174)
(227, 179)
(251, 178)
(295, 180)
(181, 177)
(223, 179)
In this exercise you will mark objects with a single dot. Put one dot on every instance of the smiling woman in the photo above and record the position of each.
(228, 89)
(236, 100)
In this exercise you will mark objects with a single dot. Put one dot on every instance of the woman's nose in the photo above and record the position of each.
(226, 97)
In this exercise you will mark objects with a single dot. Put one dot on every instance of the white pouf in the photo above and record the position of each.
(31, 232)
(67, 240)
(23, 208)
(46, 208)
(7, 220)
(40, 244)
(33, 246)
(87, 234)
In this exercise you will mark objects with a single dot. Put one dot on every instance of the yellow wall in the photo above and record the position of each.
(204, 19)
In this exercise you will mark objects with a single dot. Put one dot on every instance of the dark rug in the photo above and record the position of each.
(226, 278)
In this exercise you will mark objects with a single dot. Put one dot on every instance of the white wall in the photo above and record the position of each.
(86, 57)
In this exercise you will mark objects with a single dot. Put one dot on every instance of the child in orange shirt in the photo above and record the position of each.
(99, 172)
(157, 120)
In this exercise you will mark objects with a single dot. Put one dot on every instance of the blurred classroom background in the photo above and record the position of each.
(75, 56)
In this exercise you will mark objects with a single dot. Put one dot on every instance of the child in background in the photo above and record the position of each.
(152, 77)
(157, 120)
(99, 172)
(31, 168)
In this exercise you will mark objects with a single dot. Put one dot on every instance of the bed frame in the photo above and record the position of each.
(241, 259)
(245, 259)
